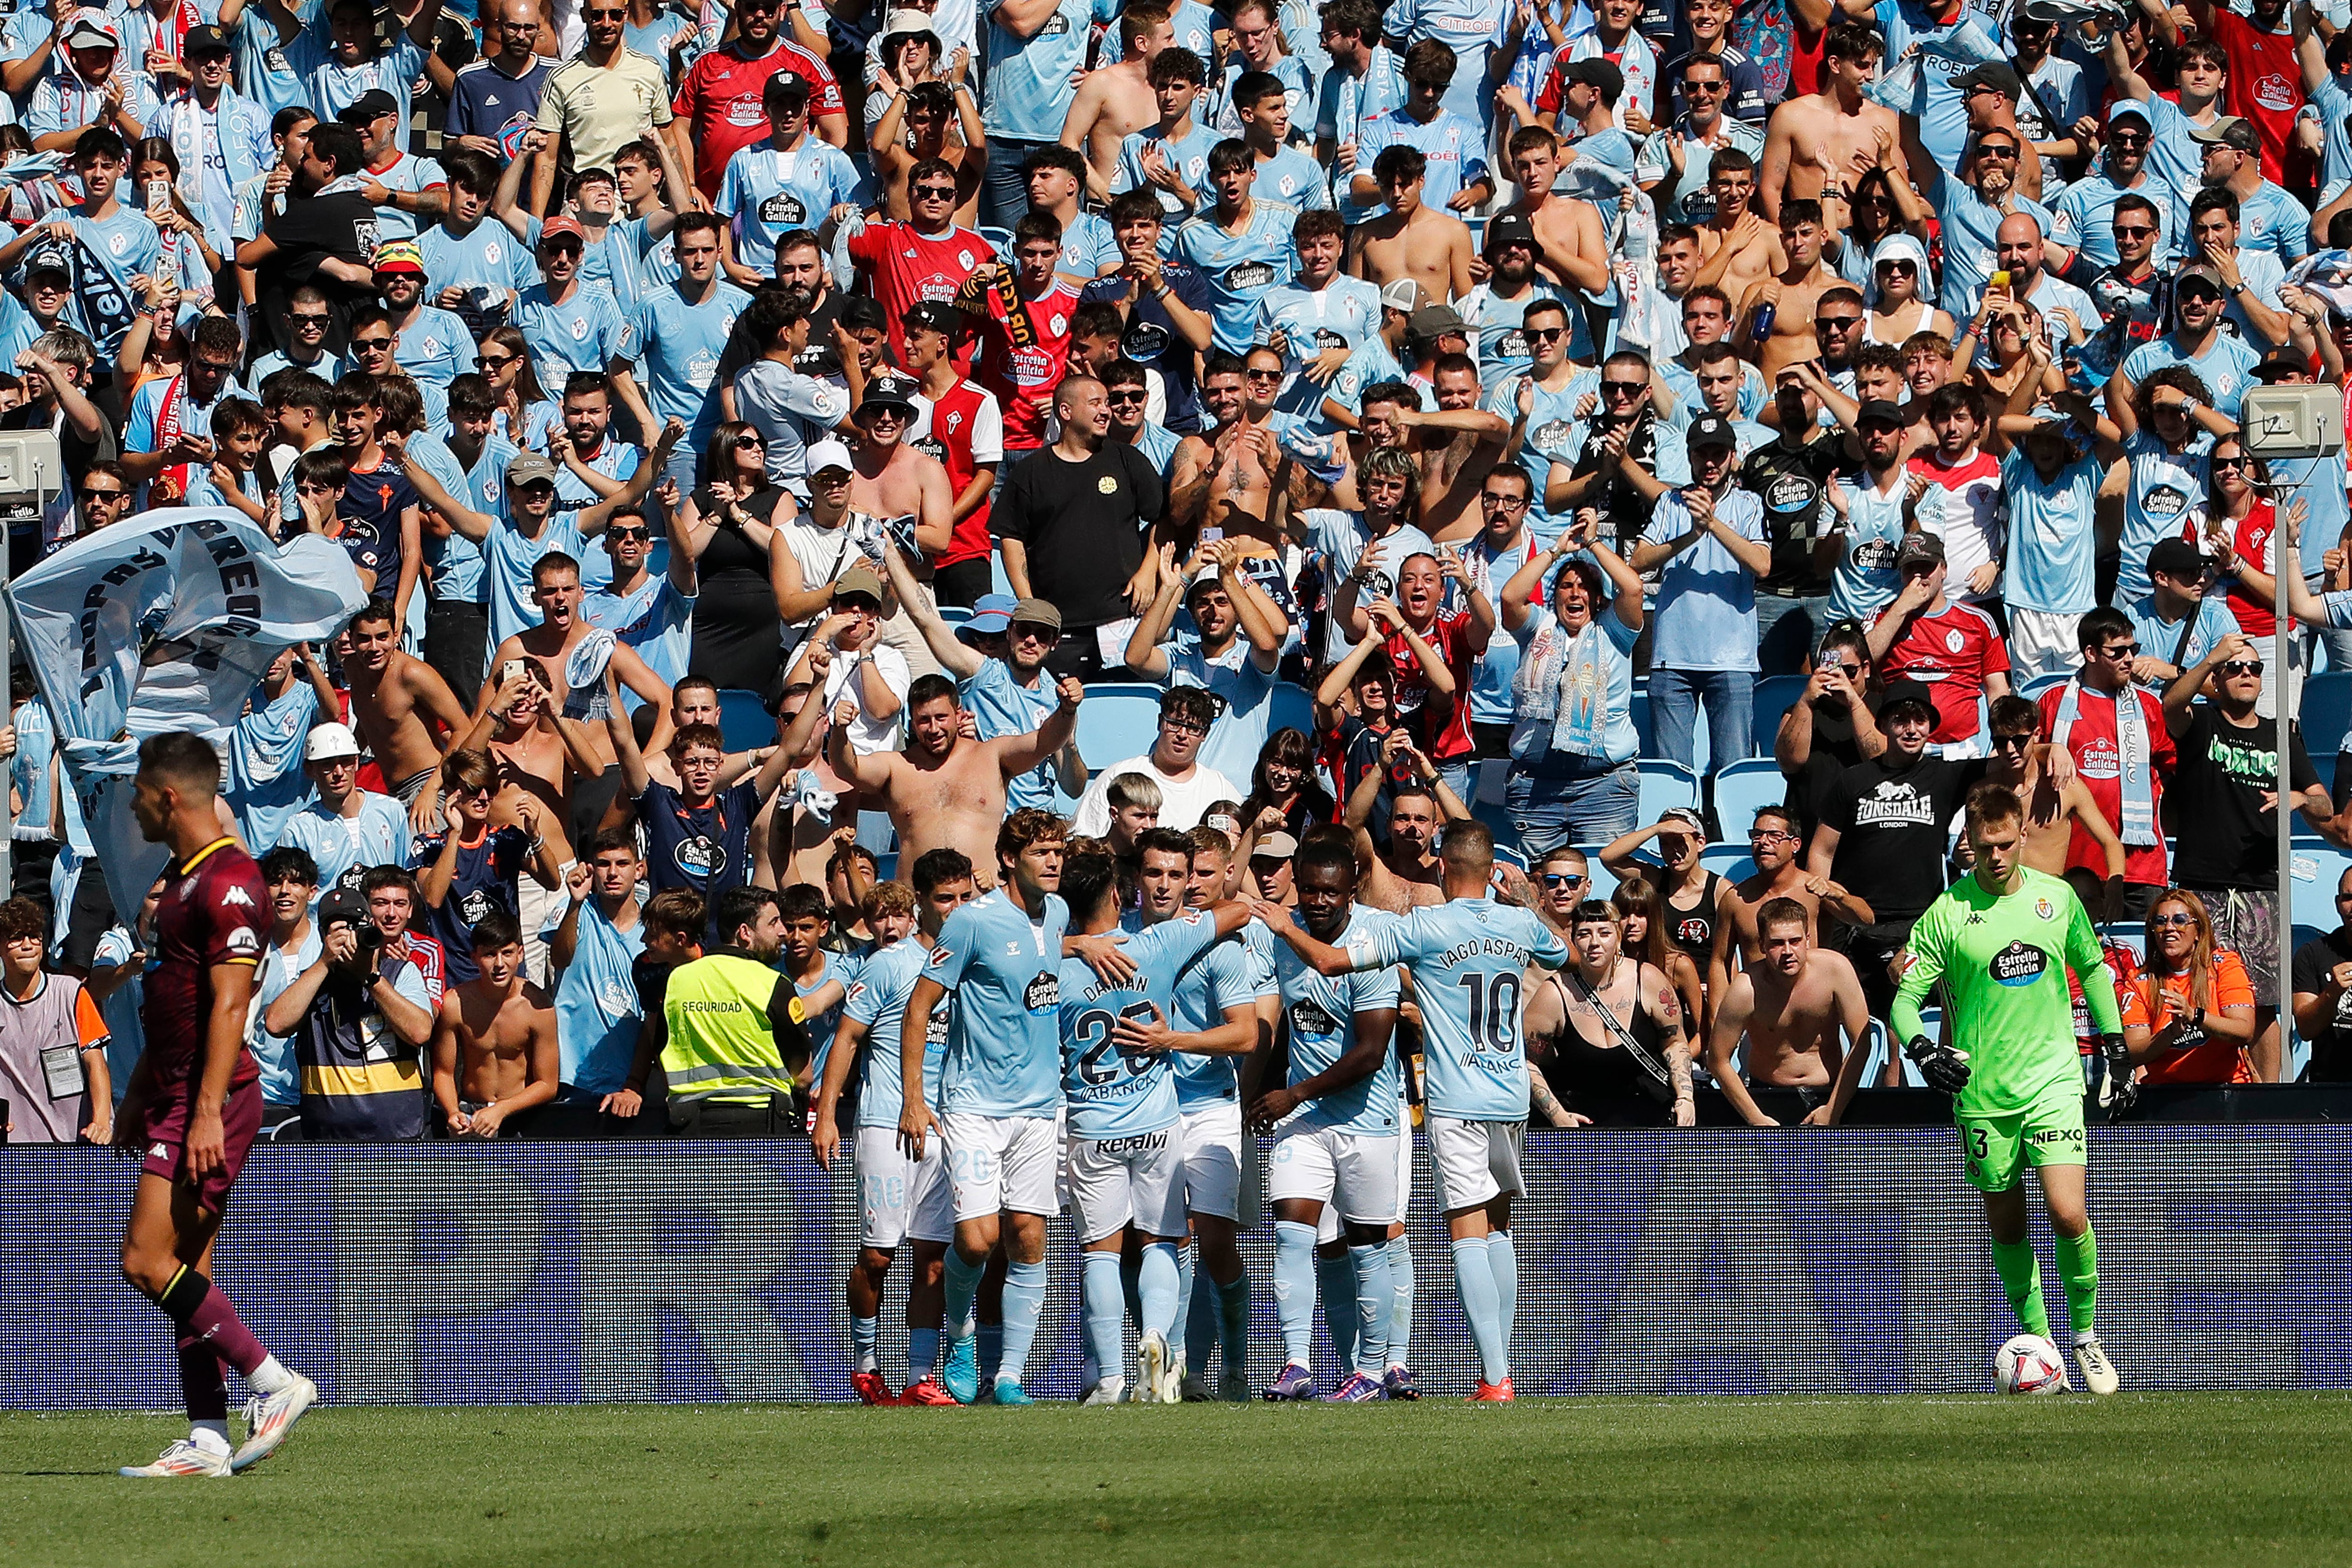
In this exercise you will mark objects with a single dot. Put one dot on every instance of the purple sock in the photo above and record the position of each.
(215, 1322)
(200, 1380)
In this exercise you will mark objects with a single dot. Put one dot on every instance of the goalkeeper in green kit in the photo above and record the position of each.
(2000, 941)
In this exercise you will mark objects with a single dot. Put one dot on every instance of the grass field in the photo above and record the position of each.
(2140, 1479)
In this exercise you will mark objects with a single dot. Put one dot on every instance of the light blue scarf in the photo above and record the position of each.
(2136, 771)
(1564, 678)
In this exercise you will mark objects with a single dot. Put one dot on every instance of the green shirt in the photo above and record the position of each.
(2003, 961)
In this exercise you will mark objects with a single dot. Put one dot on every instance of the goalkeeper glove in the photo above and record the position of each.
(2117, 1093)
(1945, 1070)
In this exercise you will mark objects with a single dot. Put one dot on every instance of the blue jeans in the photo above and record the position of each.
(1787, 632)
(1588, 805)
(1004, 193)
(1461, 776)
(1730, 699)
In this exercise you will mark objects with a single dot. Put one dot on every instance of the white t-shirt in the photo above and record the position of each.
(868, 733)
(1182, 802)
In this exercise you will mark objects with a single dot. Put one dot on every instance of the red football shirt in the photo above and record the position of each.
(1440, 725)
(904, 267)
(1952, 653)
(2100, 765)
(2252, 539)
(948, 428)
(1024, 378)
(214, 910)
(2264, 84)
(720, 101)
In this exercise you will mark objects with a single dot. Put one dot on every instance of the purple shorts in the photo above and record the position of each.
(165, 1135)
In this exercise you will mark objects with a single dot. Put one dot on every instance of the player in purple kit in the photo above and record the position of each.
(193, 1105)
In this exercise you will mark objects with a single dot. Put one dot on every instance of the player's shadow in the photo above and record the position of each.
(37, 1475)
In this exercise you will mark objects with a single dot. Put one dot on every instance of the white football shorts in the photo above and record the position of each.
(899, 1197)
(1477, 1161)
(1352, 1172)
(1136, 1180)
(1213, 1160)
(1000, 1164)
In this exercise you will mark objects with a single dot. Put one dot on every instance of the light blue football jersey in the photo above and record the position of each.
(1004, 1047)
(1226, 977)
(878, 999)
(1468, 959)
(1321, 1011)
(1111, 1093)
(1241, 269)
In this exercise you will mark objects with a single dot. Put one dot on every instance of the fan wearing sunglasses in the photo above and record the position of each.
(2226, 784)
(1776, 845)
(652, 615)
(2054, 813)
(1988, 189)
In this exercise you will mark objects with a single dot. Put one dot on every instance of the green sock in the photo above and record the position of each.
(2078, 1264)
(2021, 1276)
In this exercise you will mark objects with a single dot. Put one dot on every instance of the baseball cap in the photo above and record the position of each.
(2200, 272)
(1433, 320)
(1510, 228)
(342, 906)
(887, 391)
(399, 255)
(1711, 430)
(205, 40)
(936, 314)
(1880, 411)
(91, 28)
(327, 742)
(1991, 74)
(1919, 549)
(1274, 846)
(2227, 130)
(2281, 364)
(2131, 107)
(1905, 694)
(990, 614)
(524, 467)
(1402, 294)
(562, 229)
(367, 108)
(859, 579)
(1599, 74)
(2173, 557)
(1038, 613)
(829, 455)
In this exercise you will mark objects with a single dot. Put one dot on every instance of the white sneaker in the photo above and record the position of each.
(2098, 1371)
(1158, 1374)
(182, 1459)
(269, 1416)
(1110, 1391)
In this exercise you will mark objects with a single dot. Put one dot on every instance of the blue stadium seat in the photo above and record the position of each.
(1604, 880)
(998, 582)
(1000, 240)
(1290, 707)
(745, 720)
(1741, 791)
(2327, 711)
(1641, 707)
(1117, 722)
(2317, 867)
(1665, 786)
(2132, 934)
(2034, 686)
(1730, 861)
(954, 615)
(1774, 696)
(657, 557)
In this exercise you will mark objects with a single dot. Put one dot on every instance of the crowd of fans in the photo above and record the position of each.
(1519, 380)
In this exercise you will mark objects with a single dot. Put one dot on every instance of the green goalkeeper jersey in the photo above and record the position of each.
(2003, 961)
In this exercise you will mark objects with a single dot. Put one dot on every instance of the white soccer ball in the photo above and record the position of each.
(2029, 1364)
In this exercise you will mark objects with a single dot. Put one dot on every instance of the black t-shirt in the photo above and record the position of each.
(1793, 483)
(1625, 509)
(1834, 751)
(1083, 525)
(1893, 824)
(2217, 790)
(2331, 1049)
(308, 231)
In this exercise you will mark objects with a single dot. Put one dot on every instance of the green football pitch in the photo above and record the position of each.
(2140, 1479)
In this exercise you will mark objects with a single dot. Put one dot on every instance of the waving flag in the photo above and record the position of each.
(166, 621)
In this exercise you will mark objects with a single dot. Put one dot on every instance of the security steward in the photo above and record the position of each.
(735, 1041)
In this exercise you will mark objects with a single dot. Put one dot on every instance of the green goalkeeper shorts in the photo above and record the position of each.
(2047, 1133)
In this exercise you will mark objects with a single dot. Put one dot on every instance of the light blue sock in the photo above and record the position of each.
(1400, 1286)
(991, 1349)
(961, 1282)
(1504, 1259)
(922, 1354)
(1156, 1284)
(862, 1332)
(1473, 1282)
(1130, 1272)
(1185, 1264)
(1371, 1265)
(1294, 1289)
(1025, 1296)
(1098, 1287)
(1234, 1311)
(1337, 1281)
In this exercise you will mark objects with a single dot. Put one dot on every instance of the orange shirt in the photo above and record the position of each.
(2152, 1001)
